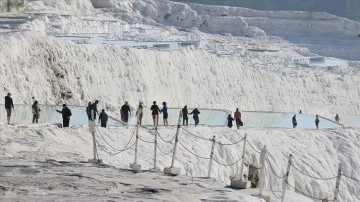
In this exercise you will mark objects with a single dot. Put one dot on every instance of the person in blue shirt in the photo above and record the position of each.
(164, 110)
(94, 109)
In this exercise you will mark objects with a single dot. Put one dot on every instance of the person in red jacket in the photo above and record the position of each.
(237, 117)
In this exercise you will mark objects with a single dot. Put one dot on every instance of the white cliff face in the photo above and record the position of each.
(240, 61)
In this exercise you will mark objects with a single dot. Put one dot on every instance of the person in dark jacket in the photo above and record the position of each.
(9, 106)
(35, 111)
(294, 122)
(196, 113)
(317, 121)
(124, 112)
(103, 117)
(88, 111)
(230, 121)
(164, 110)
(185, 115)
(155, 110)
(94, 109)
(66, 113)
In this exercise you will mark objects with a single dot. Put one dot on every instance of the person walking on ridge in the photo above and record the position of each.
(103, 117)
(237, 117)
(66, 113)
(94, 110)
(185, 113)
(139, 113)
(196, 113)
(164, 110)
(230, 121)
(35, 111)
(337, 118)
(155, 110)
(88, 111)
(317, 121)
(294, 122)
(124, 112)
(9, 106)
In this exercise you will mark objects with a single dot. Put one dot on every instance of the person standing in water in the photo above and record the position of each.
(155, 110)
(9, 106)
(294, 122)
(196, 113)
(317, 121)
(164, 110)
(337, 118)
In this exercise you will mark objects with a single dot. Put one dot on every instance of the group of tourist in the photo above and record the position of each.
(125, 113)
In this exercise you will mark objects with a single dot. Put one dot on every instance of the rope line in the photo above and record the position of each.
(165, 153)
(273, 171)
(111, 145)
(170, 141)
(350, 177)
(230, 143)
(253, 147)
(272, 190)
(116, 153)
(192, 152)
(146, 141)
(307, 194)
(317, 178)
(195, 135)
(231, 164)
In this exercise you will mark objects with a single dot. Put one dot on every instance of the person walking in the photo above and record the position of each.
(155, 110)
(94, 110)
(337, 118)
(124, 112)
(9, 106)
(294, 122)
(185, 115)
(164, 110)
(88, 111)
(35, 111)
(66, 113)
(103, 117)
(317, 121)
(196, 113)
(230, 121)
(237, 117)
(139, 113)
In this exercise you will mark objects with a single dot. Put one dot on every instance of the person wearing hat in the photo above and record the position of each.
(8, 105)
(66, 113)
(155, 110)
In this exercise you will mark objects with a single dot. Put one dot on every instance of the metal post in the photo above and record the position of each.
(262, 170)
(172, 170)
(211, 155)
(176, 140)
(285, 181)
(242, 160)
(136, 143)
(155, 148)
(337, 185)
(92, 130)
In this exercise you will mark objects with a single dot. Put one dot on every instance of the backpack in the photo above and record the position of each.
(104, 117)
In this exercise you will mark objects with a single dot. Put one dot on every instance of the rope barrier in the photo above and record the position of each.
(170, 141)
(192, 152)
(273, 171)
(114, 147)
(253, 147)
(116, 153)
(222, 144)
(146, 141)
(165, 153)
(307, 194)
(195, 135)
(272, 190)
(350, 177)
(231, 164)
(317, 178)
